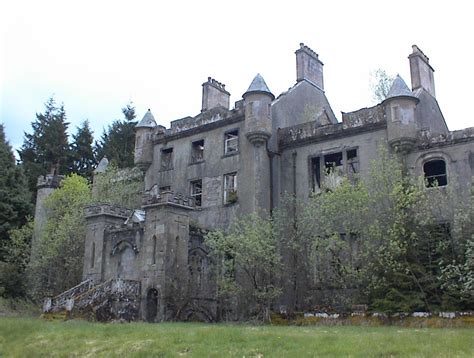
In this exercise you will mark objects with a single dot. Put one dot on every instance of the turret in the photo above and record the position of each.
(143, 141)
(400, 107)
(256, 161)
(257, 102)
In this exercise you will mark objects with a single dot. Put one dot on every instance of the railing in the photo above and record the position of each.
(60, 301)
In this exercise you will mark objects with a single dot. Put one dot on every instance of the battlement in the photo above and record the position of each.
(152, 198)
(108, 210)
(49, 181)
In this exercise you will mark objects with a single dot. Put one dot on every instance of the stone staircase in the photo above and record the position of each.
(109, 300)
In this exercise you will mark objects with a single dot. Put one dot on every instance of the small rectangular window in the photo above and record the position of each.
(333, 161)
(197, 151)
(395, 113)
(230, 188)
(352, 163)
(93, 255)
(316, 173)
(231, 142)
(167, 159)
(196, 191)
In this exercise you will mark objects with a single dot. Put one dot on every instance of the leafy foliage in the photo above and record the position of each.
(14, 194)
(249, 262)
(46, 150)
(57, 263)
(118, 142)
(82, 153)
(122, 187)
(380, 85)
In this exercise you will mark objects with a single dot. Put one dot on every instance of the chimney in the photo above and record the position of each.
(214, 95)
(308, 66)
(421, 71)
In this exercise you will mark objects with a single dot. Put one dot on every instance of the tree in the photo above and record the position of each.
(13, 281)
(82, 153)
(122, 187)
(118, 142)
(15, 197)
(58, 264)
(46, 150)
(380, 85)
(248, 263)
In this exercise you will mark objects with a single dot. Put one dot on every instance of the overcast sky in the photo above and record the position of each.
(96, 56)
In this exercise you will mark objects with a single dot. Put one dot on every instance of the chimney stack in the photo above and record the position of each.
(214, 95)
(308, 66)
(421, 71)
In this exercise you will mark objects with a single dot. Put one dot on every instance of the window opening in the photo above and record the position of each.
(230, 188)
(231, 142)
(154, 250)
(352, 163)
(435, 173)
(165, 188)
(197, 154)
(333, 161)
(93, 255)
(316, 173)
(196, 191)
(167, 159)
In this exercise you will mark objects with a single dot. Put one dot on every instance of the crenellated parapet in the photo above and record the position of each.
(107, 210)
(152, 198)
(49, 181)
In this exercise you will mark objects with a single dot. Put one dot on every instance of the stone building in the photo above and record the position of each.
(206, 170)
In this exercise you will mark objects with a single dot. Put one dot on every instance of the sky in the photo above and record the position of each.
(96, 56)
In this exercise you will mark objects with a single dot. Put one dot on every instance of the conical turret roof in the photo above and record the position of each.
(102, 166)
(258, 85)
(399, 89)
(148, 121)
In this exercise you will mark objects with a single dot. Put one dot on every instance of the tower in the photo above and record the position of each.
(143, 141)
(399, 108)
(258, 129)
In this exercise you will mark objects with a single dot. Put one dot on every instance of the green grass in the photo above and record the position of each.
(29, 337)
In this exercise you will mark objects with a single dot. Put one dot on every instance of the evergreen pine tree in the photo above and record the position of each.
(46, 150)
(14, 195)
(118, 142)
(82, 153)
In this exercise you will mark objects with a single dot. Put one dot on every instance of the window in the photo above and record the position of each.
(316, 173)
(153, 259)
(230, 188)
(196, 191)
(167, 159)
(197, 151)
(165, 188)
(93, 255)
(395, 113)
(333, 162)
(435, 173)
(352, 164)
(231, 142)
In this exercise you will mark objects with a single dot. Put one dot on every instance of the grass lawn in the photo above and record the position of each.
(31, 337)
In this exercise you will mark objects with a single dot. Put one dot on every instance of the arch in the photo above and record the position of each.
(122, 245)
(151, 305)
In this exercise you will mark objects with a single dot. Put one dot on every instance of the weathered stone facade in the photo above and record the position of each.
(230, 162)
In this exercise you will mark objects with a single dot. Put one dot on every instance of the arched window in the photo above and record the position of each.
(435, 173)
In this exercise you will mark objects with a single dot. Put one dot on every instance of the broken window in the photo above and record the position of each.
(231, 142)
(197, 151)
(165, 188)
(435, 173)
(230, 188)
(333, 162)
(167, 159)
(316, 173)
(352, 164)
(196, 191)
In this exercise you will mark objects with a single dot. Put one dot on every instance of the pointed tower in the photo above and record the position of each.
(143, 141)
(258, 129)
(400, 107)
